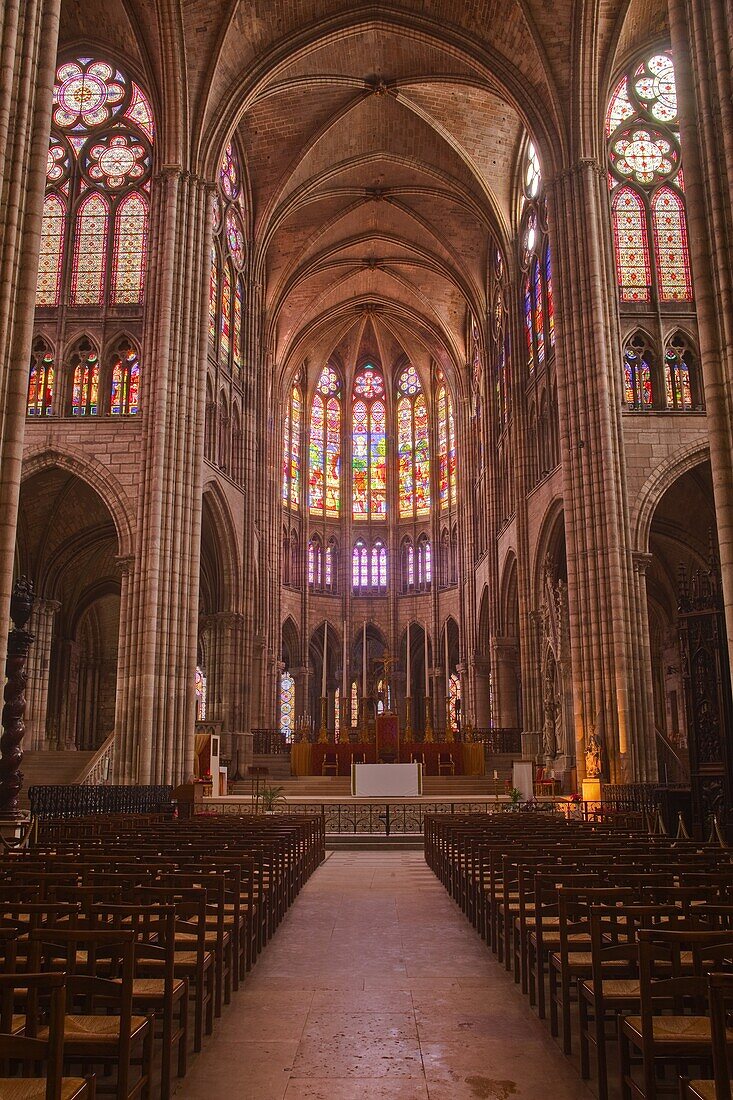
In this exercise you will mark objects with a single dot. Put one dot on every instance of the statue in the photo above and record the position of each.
(11, 741)
(593, 753)
(549, 736)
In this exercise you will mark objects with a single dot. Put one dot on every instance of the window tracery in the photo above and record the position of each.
(324, 473)
(647, 184)
(228, 257)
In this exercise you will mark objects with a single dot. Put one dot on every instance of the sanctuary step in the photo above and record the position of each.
(277, 764)
(329, 786)
(51, 768)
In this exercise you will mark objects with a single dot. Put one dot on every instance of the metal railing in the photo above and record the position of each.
(99, 769)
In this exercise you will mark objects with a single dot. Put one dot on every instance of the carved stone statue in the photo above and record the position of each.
(593, 753)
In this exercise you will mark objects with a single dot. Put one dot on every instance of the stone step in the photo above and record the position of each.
(51, 767)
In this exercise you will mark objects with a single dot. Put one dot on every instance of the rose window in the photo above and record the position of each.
(86, 96)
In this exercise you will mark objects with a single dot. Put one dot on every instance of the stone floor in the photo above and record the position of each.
(375, 987)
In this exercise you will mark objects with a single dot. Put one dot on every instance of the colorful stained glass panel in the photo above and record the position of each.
(632, 253)
(670, 243)
(53, 227)
(129, 250)
(90, 252)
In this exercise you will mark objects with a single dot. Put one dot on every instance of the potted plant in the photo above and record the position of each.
(515, 796)
(271, 797)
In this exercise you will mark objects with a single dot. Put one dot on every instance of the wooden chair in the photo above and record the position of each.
(330, 765)
(417, 758)
(33, 1045)
(721, 993)
(672, 969)
(358, 758)
(91, 1037)
(446, 763)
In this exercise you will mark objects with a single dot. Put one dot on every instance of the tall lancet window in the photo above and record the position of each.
(447, 466)
(647, 184)
(292, 430)
(324, 456)
(413, 447)
(369, 446)
(228, 255)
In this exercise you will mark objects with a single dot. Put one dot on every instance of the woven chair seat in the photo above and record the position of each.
(153, 988)
(34, 1088)
(96, 1029)
(617, 988)
(674, 1029)
(210, 939)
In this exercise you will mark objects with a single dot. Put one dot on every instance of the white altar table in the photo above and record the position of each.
(386, 780)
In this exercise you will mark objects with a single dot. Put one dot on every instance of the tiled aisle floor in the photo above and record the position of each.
(375, 987)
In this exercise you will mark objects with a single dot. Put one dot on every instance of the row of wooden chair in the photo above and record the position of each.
(594, 921)
(146, 922)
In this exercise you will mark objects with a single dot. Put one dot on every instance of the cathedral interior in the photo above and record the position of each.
(364, 359)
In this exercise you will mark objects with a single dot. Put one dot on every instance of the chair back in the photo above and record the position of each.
(28, 1048)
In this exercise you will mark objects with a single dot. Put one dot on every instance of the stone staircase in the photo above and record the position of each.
(51, 767)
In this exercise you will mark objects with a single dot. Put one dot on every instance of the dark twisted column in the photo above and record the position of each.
(11, 752)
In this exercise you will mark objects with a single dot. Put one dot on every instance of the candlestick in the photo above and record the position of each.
(364, 663)
(343, 670)
(447, 668)
(427, 671)
(408, 691)
(325, 659)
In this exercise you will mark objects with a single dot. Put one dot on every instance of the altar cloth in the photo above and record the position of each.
(386, 780)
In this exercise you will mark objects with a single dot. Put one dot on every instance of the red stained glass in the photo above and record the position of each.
(422, 457)
(130, 250)
(225, 333)
(550, 299)
(213, 300)
(369, 446)
(52, 251)
(405, 457)
(237, 326)
(85, 389)
(296, 410)
(235, 238)
(140, 111)
(316, 459)
(333, 457)
(620, 108)
(87, 94)
(632, 252)
(670, 245)
(443, 448)
(539, 312)
(229, 173)
(678, 390)
(360, 460)
(378, 460)
(90, 252)
(637, 375)
(528, 325)
(40, 386)
(125, 384)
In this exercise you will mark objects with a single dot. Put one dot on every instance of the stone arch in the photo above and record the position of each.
(657, 484)
(219, 546)
(99, 478)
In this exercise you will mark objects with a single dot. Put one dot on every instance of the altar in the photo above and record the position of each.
(386, 780)
(308, 758)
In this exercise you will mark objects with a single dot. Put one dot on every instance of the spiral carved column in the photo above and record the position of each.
(11, 742)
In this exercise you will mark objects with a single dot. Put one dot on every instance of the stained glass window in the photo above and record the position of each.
(379, 566)
(670, 245)
(324, 466)
(638, 393)
(85, 387)
(539, 312)
(213, 299)
(454, 701)
(129, 250)
(237, 326)
(225, 334)
(330, 566)
(99, 164)
(88, 271)
(424, 563)
(229, 173)
(200, 691)
(50, 261)
(408, 551)
(354, 705)
(413, 446)
(550, 299)
(369, 446)
(359, 566)
(677, 383)
(315, 562)
(447, 465)
(532, 174)
(291, 449)
(528, 324)
(41, 382)
(646, 183)
(631, 245)
(125, 383)
(287, 705)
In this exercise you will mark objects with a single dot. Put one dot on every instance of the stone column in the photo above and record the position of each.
(646, 763)
(605, 647)
(156, 706)
(28, 38)
(39, 663)
(482, 690)
(701, 32)
(505, 658)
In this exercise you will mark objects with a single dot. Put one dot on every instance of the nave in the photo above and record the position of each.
(376, 986)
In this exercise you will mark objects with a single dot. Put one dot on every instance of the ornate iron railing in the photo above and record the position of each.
(79, 800)
(269, 743)
(99, 769)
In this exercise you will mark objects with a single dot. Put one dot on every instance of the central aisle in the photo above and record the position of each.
(375, 986)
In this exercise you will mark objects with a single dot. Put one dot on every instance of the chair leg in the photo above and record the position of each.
(554, 1022)
(584, 1043)
(567, 1037)
(624, 1059)
(183, 1041)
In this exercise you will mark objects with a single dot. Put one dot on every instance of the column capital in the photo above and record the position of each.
(125, 564)
(580, 167)
(641, 561)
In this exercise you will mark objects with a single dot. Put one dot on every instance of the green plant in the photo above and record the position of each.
(515, 796)
(271, 797)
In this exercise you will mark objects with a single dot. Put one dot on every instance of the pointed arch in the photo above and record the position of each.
(90, 251)
(669, 224)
